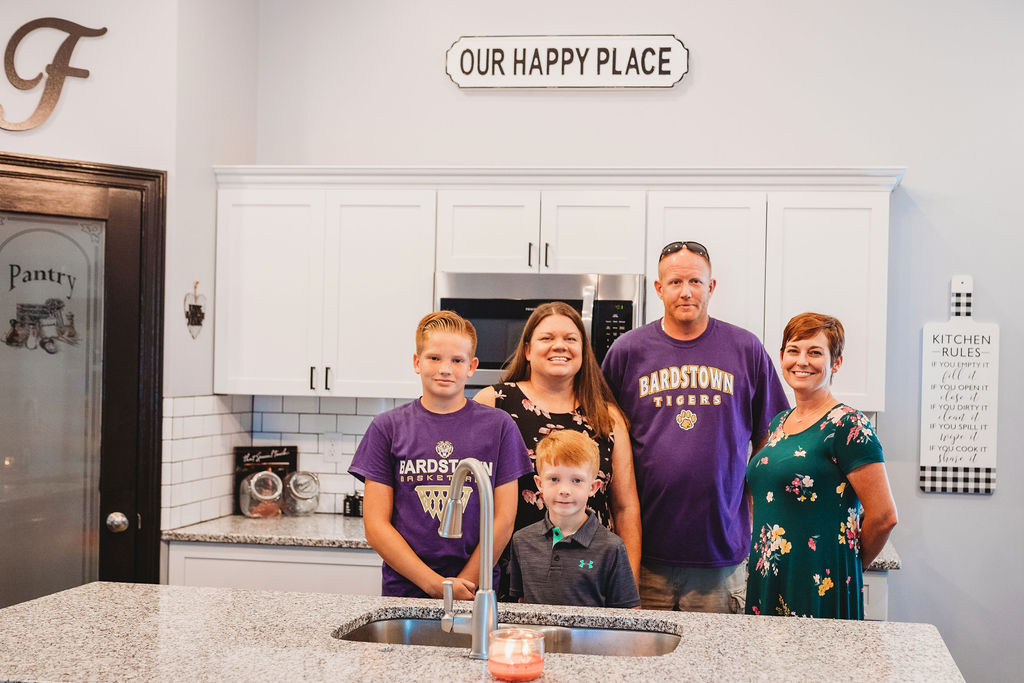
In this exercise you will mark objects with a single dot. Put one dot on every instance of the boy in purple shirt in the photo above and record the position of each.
(407, 458)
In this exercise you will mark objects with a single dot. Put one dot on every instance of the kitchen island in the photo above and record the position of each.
(116, 631)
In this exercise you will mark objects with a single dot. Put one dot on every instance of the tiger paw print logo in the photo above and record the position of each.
(444, 448)
(686, 419)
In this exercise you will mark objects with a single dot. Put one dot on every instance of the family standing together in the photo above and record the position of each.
(673, 476)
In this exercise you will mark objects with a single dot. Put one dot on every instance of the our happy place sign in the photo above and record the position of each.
(628, 61)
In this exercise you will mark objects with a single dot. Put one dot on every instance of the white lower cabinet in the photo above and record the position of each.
(876, 595)
(279, 568)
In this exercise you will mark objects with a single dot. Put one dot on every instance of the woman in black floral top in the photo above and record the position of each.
(553, 382)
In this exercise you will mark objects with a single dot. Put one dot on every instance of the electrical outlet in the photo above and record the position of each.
(331, 444)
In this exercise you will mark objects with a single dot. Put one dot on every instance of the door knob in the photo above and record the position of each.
(117, 522)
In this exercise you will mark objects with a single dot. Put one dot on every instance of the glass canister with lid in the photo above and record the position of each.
(301, 493)
(260, 494)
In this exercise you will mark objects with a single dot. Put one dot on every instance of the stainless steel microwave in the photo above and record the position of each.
(498, 305)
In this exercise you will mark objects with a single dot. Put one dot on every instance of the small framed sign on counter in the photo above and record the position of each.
(278, 459)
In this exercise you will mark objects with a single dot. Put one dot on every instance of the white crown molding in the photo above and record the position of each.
(796, 178)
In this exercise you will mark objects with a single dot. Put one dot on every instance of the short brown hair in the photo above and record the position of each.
(568, 447)
(807, 325)
(445, 321)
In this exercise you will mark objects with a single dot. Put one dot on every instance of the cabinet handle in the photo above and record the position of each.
(327, 378)
(312, 377)
(529, 254)
(547, 251)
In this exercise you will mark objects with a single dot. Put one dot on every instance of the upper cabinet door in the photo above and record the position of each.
(595, 231)
(481, 231)
(828, 252)
(268, 320)
(731, 225)
(379, 274)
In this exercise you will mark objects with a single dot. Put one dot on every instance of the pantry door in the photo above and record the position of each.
(81, 257)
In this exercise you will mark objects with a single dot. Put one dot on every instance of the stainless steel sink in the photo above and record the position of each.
(563, 639)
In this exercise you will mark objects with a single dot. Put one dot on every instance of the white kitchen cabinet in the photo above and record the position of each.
(319, 291)
(731, 225)
(269, 296)
(828, 252)
(526, 231)
(777, 254)
(279, 568)
(380, 276)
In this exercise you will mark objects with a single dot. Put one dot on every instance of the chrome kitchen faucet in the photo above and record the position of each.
(485, 603)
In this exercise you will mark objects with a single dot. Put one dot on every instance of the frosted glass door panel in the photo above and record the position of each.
(51, 372)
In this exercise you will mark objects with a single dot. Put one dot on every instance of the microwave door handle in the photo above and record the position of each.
(588, 311)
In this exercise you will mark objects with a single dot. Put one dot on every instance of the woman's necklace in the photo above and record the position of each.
(816, 410)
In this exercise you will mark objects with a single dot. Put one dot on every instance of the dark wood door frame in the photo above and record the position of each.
(132, 203)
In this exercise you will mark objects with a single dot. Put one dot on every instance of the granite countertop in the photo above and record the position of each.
(120, 632)
(336, 531)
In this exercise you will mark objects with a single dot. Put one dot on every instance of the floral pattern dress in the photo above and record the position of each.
(534, 424)
(805, 550)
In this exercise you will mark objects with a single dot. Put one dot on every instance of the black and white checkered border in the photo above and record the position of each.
(958, 479)
(961, 305)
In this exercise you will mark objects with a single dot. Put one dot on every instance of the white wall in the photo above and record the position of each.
(172, 86)
(932, 86)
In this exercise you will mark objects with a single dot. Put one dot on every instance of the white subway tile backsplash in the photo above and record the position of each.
(192, 470)
(373, 406)
(205, 405)
(266, 404)
(181, 449)
(201, 432)
(191, 514)
(317, 424)
(193, 426)
(184, 406)
(306, 443)
(210, 508)
(314, 462)
(301, 404)
(334, 483)
(202, 447)
(266, 439)
(280, 422)
(354, 424)
(211, 425)
(338, 405)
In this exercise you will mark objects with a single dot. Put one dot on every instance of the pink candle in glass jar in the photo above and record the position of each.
(515, 654)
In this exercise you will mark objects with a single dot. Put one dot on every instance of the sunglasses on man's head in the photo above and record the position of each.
(694, 247)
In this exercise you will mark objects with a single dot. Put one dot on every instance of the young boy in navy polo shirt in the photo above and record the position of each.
(569, 558)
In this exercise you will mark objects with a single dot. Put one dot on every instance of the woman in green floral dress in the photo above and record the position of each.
(821, 464)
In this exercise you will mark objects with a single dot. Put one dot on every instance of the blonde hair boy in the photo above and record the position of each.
(445, 321)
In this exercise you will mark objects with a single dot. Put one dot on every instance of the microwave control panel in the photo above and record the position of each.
(612, 319)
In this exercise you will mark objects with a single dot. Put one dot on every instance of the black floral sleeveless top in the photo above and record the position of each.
(534, 424)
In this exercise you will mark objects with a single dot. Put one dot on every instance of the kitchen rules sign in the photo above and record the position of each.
(959, 393)
(626, 61)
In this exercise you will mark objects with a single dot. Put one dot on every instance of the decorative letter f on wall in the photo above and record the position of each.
(56, 71)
